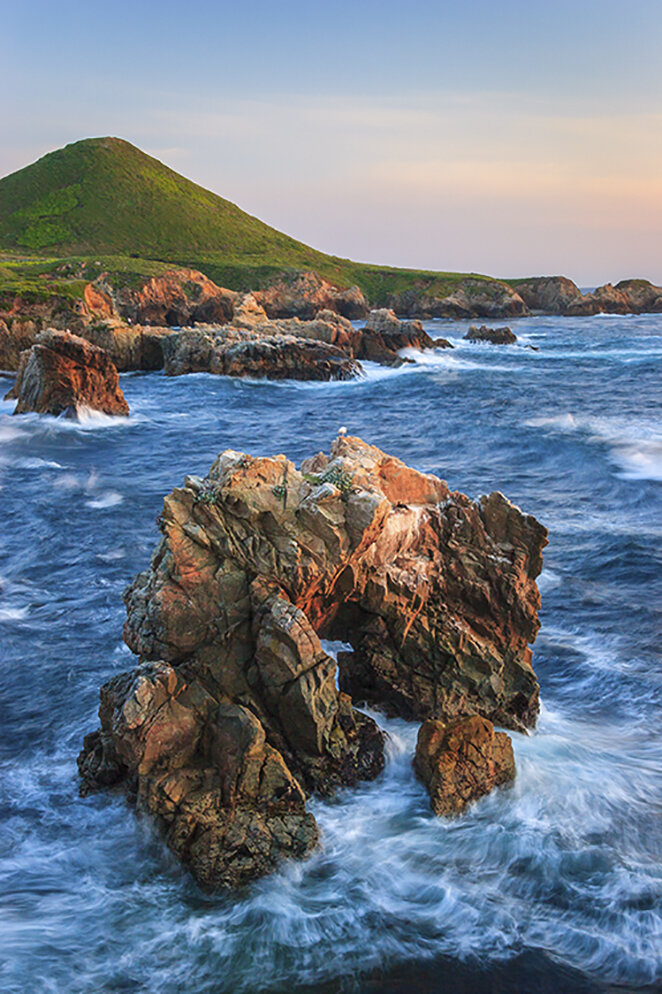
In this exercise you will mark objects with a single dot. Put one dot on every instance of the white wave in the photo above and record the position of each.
(635, 445)
(109, 498)
(13, 613)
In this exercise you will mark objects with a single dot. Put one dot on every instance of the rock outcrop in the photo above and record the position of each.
(177, 298)
(305, 294)
(63, 373)
(471, 298)
(258, 561)
(643, 296)
(385, 334)
(236, 352)
(495, 336)
(461, 761)
(554, 295)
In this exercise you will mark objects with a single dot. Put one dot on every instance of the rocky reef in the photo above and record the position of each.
(494, 336)
(234, 714)
(62, 373)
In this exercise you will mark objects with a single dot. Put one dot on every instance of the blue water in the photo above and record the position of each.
(553, 885)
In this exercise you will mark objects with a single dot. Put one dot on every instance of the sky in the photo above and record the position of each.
(507, 138)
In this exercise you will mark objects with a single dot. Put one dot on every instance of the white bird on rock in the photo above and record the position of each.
(342, 431)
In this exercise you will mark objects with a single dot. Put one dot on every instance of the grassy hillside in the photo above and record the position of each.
(103, 205)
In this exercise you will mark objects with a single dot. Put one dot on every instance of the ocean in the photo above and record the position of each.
(553, 885)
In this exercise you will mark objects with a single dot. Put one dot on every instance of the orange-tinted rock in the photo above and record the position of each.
(462, 761)
(64, 373)
(306, 294)
(471, 298)
(177, 298)
(259, 560)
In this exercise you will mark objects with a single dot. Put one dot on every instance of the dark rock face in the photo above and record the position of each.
(462, 761)
(236, 352)
(64, 373)
(228, 804)
(495, 336)
(384, 335)
(307, 294)
(259, 560)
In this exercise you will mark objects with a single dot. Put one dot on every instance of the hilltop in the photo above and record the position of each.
(103, 204)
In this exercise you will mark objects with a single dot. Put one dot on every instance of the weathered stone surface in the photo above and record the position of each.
(306, 294)
(495, 336)
(610, 300)
(461, 761)
(554, 295)
(384, 335)
(64, 373)
(228, 805)
(177, 298)
(643, 296)
(238, 352)
(471, 298)
(435, 592)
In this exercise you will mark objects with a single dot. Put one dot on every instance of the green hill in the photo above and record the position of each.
(101, 203)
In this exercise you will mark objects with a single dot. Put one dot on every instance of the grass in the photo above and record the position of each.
(102, 205)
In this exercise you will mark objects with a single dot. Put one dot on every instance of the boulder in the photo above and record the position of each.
(385, 334)
(643, 296)
(247, 313)
(554, 295)
(257, 562)
(305, 294)
(461, 761)
(227, 803)
(63, 373)
(495, 336)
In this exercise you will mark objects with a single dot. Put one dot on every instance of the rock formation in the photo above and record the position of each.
(384, 334)
(461, 761)
(62, 373)
(435, 592)
(471, 298)
(232, 351)
(495, 336)
(305, 294)
(554, 295)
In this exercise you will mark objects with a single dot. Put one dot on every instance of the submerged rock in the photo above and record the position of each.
(436, 594)
(495, 336)
(63, 373)
(461, 761)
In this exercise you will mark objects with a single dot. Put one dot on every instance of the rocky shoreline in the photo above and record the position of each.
(234, 716)
(132, 323)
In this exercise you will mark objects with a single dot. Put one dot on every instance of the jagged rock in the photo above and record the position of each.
(228, 805)
(247, 313)
(259, 560)
(495, 336)
(461, 761)
(177, 298)
(384, 335)
(64, 373)
(306, 294)
(610, 300)
(238, 352)
(554, 295)
(471, 298)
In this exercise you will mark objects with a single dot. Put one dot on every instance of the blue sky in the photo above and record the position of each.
(508, 138)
